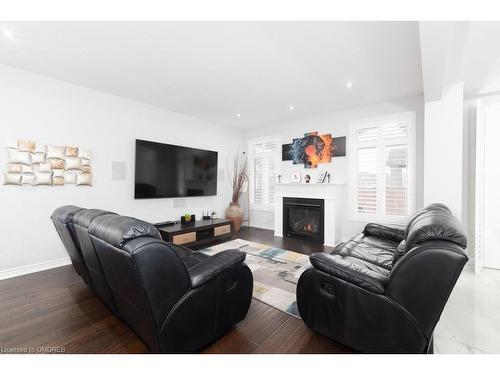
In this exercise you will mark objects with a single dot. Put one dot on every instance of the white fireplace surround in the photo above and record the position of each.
(332, 195)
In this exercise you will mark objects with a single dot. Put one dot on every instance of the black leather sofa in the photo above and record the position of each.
(176, 300)
(385, 289)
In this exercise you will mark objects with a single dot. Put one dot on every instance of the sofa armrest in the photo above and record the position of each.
(356, 272)
(392, 233)
(214, 266)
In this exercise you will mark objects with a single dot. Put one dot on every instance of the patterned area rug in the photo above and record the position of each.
(275, 272)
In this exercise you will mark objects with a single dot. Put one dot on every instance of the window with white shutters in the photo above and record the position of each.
(263, 163)
(382, 168)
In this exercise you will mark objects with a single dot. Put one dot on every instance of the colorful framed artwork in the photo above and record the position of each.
(313, 149)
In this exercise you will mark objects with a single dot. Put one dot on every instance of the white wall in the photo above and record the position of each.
(491, 183)
(444, 148)
(337, 124)
(49, 111)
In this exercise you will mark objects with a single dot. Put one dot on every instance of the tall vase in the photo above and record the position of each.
(235, 213)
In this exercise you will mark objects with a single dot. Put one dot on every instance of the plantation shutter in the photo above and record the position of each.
(381, 168)
(263, 170)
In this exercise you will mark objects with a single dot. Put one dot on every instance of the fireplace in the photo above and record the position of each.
(304, 218)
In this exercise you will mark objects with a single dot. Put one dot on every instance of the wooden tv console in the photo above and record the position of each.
(201, 232)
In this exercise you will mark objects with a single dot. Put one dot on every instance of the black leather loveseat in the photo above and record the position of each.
(176, 300)
(385, 289)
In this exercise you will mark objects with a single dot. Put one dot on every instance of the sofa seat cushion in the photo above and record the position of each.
(353, 270)
(371, 249)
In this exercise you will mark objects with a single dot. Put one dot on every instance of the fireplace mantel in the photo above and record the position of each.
(330, 192)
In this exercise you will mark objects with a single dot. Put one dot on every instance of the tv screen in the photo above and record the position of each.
(170, 171)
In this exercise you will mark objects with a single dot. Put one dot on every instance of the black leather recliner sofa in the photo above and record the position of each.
(176, 300)
(385, 289)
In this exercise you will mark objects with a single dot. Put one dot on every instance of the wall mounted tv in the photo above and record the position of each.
(170, 171)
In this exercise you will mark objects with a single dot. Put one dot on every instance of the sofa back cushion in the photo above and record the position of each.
(81, 222)
(435, 224)
(63, 222)
(430, 208)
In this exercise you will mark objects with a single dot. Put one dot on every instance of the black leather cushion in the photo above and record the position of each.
(435, 225)
(217, 264)
(85, 217)
(395, 234)
(65, 214)
(430, 208)
(116, 230)
(189, 257)
(400, 251)
(81, 222)
(372, 249)
(363, 274)
(63, 222)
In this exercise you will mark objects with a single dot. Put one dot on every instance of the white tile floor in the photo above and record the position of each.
(470, 322)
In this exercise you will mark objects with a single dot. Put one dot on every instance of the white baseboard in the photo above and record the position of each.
(261, 226)
(32, 268)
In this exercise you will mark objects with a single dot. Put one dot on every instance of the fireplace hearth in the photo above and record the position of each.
(304, 218)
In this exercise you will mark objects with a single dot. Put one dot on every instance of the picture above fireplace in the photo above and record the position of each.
(304, 218)
(313, 149)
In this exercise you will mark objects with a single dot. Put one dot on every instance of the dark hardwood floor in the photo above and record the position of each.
(55, 310)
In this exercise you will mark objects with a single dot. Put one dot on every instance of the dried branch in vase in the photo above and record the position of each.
(238, 176)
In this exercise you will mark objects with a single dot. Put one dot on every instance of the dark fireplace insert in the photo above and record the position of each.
(304, 218)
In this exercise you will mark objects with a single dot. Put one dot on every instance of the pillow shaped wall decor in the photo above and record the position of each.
(32, 163)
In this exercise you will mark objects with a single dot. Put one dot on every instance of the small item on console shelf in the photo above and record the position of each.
(206, 215)
(188, 219)
(164, 223)
(307, 178)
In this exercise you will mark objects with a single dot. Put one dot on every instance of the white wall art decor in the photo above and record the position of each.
(55, 152)
(30, 163)
(12, 178)
(28, 179)
(84, 179)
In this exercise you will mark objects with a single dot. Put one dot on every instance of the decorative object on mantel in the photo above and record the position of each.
(328, 177)
(279, 179)
(295, 178)
(321, 177)
(31, 163)
(238, 177)
(313, 149)
(307, 178)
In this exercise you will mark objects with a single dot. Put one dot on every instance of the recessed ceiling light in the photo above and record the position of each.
(7, 34)
(291, 107)
(348, 84)
(238, 115)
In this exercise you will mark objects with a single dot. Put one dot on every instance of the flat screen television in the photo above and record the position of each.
(170, 171)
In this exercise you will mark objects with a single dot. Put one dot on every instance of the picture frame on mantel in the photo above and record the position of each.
(295, 177)
(321, 177)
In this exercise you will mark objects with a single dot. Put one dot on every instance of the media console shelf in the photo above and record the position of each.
(202, 232)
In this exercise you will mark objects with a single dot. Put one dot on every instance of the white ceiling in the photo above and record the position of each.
(213, 70)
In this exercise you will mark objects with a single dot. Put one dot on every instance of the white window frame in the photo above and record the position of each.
(410, 119)
(250, 142)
